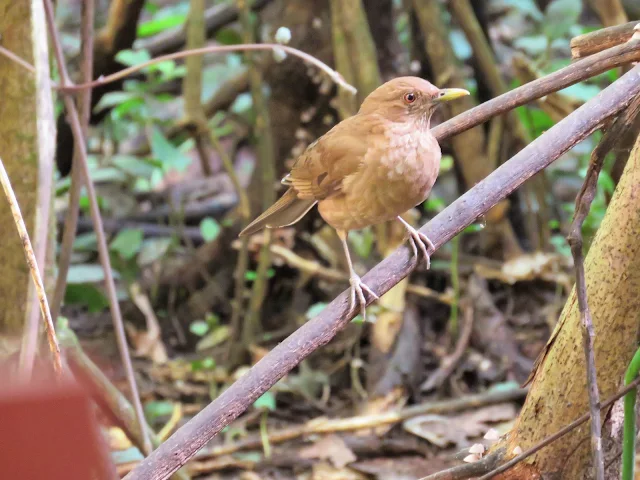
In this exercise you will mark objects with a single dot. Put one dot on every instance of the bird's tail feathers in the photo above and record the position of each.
(286, 211)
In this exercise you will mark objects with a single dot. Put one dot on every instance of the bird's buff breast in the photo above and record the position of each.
(398, 172)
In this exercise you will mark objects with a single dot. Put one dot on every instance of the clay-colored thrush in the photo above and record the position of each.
(368, 169)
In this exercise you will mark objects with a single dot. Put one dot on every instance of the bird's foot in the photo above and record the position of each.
(358, 289)
(419, 241)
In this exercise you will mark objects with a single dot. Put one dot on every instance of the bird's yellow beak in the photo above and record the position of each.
(447, 94)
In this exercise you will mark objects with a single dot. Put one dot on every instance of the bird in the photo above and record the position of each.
(368, 169)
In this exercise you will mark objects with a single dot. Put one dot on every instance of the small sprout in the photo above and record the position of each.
(307, 115)
(492, 434)
(301, 134)
(477, 449)
(517, 450)
(279, 55)
(283, 36)
(471, 458)
(325, 86)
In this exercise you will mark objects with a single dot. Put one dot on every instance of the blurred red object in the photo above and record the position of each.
(48, 431)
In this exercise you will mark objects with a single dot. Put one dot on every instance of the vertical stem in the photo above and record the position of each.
(84, 105)
(103, 251)
(629, 432)
(267, 170)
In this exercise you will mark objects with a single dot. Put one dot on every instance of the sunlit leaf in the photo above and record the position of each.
(131, 58)
(199, 327)
(267, 401)
(166, 153)
(160, 24)
(153, 249)
(86, 295)
(113, 99)
(127, 243)
(87, 273)
(560, 16)
(210, 229)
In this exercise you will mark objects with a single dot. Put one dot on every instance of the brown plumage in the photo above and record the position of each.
(368, 169)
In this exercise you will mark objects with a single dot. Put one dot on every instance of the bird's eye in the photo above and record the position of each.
(410, 97)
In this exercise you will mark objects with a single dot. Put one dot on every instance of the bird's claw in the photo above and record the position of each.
(419, 241)
(358, 289)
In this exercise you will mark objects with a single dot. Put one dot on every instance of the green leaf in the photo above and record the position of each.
(446, 163)
(133, 165)
(85, 242)
(214, 338)
(560, 16)
(207, 363)
(533, 44)
(527, 7)
(199, 327)
(131, 58)
(210, 229)
(166, 153)
(153, 249)
(582, 91)
(160, 24)
(267, 401)
(315, 309)
(157, 408)
(87, 273)
(86, 295)
(127, 243)
(113, 99)
(228, 36)
(460, 45)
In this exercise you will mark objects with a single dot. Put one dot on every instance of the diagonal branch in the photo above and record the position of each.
(183, 444)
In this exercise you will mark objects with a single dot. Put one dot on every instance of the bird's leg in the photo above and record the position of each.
(420, 241)
(357, 286)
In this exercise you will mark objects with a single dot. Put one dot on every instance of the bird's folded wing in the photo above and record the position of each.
(319, 172)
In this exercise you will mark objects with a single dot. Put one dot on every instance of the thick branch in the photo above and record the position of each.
(183, 444)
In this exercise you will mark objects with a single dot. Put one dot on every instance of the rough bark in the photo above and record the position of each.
(558, 392)
(26, 148)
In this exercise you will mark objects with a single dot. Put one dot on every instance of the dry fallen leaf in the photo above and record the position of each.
(324, 471)
(446, 430)
(148, 344)
(332, 448)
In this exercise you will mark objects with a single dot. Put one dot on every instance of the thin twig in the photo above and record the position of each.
(33, 268)
(73, 209)
(318, 331)
(12, 56)
(559, 434)
(335, 76)
(449, 362)
(103, 251)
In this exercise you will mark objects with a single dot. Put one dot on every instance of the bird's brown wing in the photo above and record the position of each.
(319, 172)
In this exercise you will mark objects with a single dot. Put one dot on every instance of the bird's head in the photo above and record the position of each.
(408, 98)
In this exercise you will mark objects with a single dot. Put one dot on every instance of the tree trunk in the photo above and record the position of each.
(27, 136)
(558, 392)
